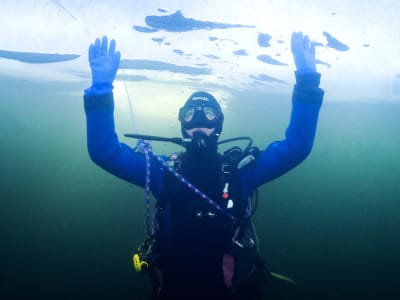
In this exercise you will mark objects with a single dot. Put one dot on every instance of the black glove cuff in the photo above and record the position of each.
(99, 89)
(307, 79)
(99, 102)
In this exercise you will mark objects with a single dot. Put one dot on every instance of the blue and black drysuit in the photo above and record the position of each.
(192, 255)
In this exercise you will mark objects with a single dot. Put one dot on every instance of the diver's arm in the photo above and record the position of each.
(102, 141)
(281, 156)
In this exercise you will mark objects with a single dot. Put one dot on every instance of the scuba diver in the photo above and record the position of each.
(202, 244)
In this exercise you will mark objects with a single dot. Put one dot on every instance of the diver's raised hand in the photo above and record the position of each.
(104, 62)
(303, 52)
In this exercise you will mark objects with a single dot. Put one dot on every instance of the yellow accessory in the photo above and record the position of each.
(279, 276)
(140, 266)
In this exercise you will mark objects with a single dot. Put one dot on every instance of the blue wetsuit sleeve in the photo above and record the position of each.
(281, 156)
(105, 149)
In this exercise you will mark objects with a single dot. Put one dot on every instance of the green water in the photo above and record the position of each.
(68, 228)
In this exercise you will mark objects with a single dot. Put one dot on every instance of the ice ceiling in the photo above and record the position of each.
(235, 44)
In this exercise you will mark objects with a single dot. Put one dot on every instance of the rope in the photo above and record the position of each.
(130, 107)
(145, 147)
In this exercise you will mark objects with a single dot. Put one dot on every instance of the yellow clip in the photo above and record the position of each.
(139, 265)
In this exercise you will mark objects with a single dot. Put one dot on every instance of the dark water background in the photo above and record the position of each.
(68, 229)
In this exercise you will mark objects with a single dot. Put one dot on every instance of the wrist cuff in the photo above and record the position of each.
(307, 79)
(99, 89)
(98, 102)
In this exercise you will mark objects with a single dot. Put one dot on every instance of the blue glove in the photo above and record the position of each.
(303, 53)
(104, 63)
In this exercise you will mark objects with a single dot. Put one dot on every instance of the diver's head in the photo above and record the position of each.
(201, 120)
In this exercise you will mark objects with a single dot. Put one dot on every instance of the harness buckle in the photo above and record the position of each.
(226, 169)
(245, 161)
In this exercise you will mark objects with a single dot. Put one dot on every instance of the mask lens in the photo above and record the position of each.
(187, 113)
(210, 112)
